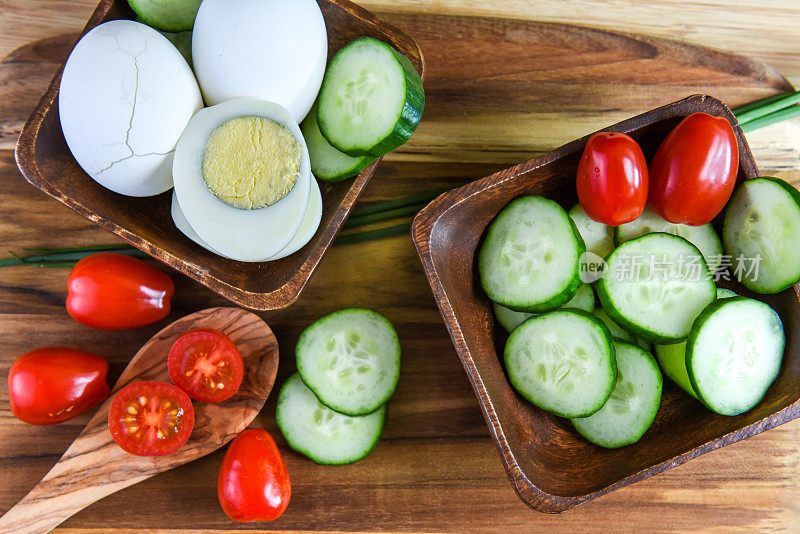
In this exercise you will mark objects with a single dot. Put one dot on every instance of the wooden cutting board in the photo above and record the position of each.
(498, 92)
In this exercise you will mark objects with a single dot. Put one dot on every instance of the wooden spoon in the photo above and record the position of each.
(94, 466)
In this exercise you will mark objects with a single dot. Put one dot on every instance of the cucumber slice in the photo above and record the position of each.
(763, 221)
(510, 319)
(167, 15)
(598, 238)
(583, 299)
(734, 353)
(617, 332)
(655, 286)
(371, 99)
(703, 237)
(325, 436)
(633, 404)
(327, 163)
(723, 293)
(672, 359)
(599, 241)
(563, 362)
(350, 359)
(529, 258)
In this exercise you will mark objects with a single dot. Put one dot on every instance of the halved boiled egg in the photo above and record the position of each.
(309, 225)
(186, 229)
(243, 178)
(307, 230)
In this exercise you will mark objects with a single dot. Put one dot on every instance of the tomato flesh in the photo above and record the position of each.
(151, 418)
(206, 365)
(693, 172)
(253, 483)
(54, 384)
(116, 292)
(612, 178)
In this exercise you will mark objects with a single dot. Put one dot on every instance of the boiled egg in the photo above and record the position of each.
(243, 178)
(186, 229)
(307, 229)
(275, 50)
(126, 95)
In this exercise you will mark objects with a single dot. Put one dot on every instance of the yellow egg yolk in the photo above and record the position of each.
(251, 162)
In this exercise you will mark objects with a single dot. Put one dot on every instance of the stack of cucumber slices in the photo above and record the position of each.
(333, 409)
(592, 361)
(370, 102)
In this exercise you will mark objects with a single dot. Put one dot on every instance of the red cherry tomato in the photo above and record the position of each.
(150, 418)
(206, 365)
(115, 292)
(694, 170)
(53, 384)
(612, 178)
(253, 482)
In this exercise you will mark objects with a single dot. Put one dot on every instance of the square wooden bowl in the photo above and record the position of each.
(46, 162)
(550, 465)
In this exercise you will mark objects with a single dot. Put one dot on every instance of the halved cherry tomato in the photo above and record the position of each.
(694, 170)
(116, 292)
(206, 365)
(150, 418)
(53, 384)
(612, 178)
(253, 482)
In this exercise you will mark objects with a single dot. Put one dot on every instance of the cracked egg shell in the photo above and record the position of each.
(126, 95)
(235, 233)
(307, 230)
(275, 50)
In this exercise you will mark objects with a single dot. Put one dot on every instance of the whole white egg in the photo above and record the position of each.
(126, 95)
(274, 50)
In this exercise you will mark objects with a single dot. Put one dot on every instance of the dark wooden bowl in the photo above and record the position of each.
(550, 465)
(46, 162)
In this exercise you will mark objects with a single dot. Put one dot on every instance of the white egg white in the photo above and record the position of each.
(239, 234)
(126, 95)
(307, 230)
(275, 50)
(309, 225)
(186, 229)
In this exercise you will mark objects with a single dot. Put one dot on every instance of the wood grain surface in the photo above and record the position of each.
(763, 29)
(436, 468)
